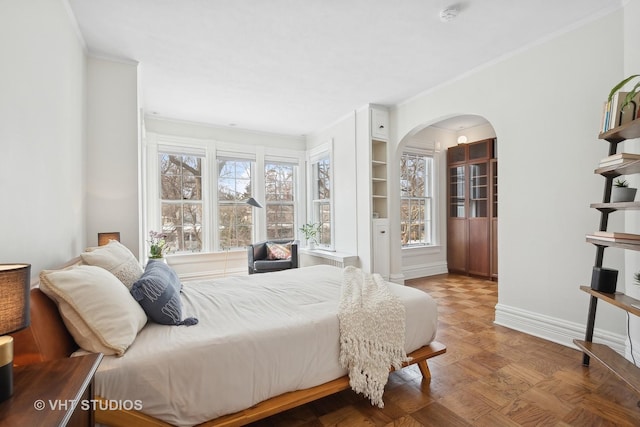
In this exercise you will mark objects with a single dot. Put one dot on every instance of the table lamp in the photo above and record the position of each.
(14, 316)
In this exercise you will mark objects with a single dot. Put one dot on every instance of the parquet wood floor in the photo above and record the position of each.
(490, 376)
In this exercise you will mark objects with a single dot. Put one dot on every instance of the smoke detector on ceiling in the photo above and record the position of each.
(448, 14)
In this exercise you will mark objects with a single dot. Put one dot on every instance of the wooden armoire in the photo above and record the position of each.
(472, 209)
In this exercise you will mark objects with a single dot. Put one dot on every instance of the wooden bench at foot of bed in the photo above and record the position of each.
(275, 405)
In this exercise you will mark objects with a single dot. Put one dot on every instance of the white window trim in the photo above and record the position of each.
(255, 215)
(296, 184)
(315, 154)
(434, 197)
(154, 143)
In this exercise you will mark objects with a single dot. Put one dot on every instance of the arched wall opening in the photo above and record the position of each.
(431, 138)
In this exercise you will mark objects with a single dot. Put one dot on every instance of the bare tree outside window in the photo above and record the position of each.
(280, 206)
(416, 200)
(235, 217)
(181, 201)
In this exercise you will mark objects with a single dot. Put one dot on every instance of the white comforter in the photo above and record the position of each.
(258, 336)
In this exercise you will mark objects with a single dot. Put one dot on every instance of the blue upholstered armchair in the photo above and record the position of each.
(272, 255)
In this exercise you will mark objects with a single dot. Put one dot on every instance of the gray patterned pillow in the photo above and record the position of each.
(115, 258)
(158, 292)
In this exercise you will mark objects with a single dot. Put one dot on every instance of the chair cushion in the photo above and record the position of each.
(259, 250)
(266, 265)
(278, 250)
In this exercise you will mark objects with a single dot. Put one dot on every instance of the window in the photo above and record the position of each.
(181, 201)
(416, 201)
(321, 203)
(279, 197)
(195, 191)
(235, 217)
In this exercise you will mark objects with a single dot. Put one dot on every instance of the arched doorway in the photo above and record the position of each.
(442, 241)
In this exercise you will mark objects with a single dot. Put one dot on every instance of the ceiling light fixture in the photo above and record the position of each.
(448, 14)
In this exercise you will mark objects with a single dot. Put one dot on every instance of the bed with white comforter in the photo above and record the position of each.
(258, 336)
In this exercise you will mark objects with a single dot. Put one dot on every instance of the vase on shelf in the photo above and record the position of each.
(623, 194)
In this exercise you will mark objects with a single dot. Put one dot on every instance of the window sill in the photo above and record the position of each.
(341, 257)
(415, 250)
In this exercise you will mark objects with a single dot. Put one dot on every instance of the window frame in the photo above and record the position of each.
(429, 200)
(314, 156)
(153, 143)
(234, 157)
(294, 192)
(182, 202)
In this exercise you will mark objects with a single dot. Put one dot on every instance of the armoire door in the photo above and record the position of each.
(457, 220)
(478, 220)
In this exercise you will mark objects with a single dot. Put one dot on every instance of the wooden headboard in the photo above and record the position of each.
(46, 338)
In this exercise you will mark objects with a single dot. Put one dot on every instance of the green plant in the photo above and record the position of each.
(633, 92)
(311, 231)
(157, 244)
(621, 183)
(636, 277)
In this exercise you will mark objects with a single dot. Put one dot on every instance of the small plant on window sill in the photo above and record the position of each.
(311, 231)
(158, 244)
(636, 278)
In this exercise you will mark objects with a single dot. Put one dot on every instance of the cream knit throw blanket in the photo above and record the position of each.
(372, 327)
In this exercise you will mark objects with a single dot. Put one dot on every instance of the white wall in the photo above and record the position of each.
(42, 87)
(345, 208)
(544, 104)
(180, 128)
(112, 160)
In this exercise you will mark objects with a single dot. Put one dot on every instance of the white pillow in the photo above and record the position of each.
(98, 311)
(116, 258)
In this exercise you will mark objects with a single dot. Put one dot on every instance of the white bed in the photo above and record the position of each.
(258, 337)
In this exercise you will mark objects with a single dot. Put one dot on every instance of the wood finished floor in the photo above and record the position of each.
(490, 376)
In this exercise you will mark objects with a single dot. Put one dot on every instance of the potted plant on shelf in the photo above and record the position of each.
(621, 192)
(311, 231)
(631, 97)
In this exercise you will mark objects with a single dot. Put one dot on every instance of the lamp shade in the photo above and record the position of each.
(14, 297)
(253, 202)
(103, 238)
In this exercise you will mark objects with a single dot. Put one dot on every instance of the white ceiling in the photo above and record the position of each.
(296, 66)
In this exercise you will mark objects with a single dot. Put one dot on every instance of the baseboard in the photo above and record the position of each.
(552, 329)
(423, 270)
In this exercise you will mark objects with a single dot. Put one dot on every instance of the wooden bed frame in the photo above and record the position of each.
(47, 338)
